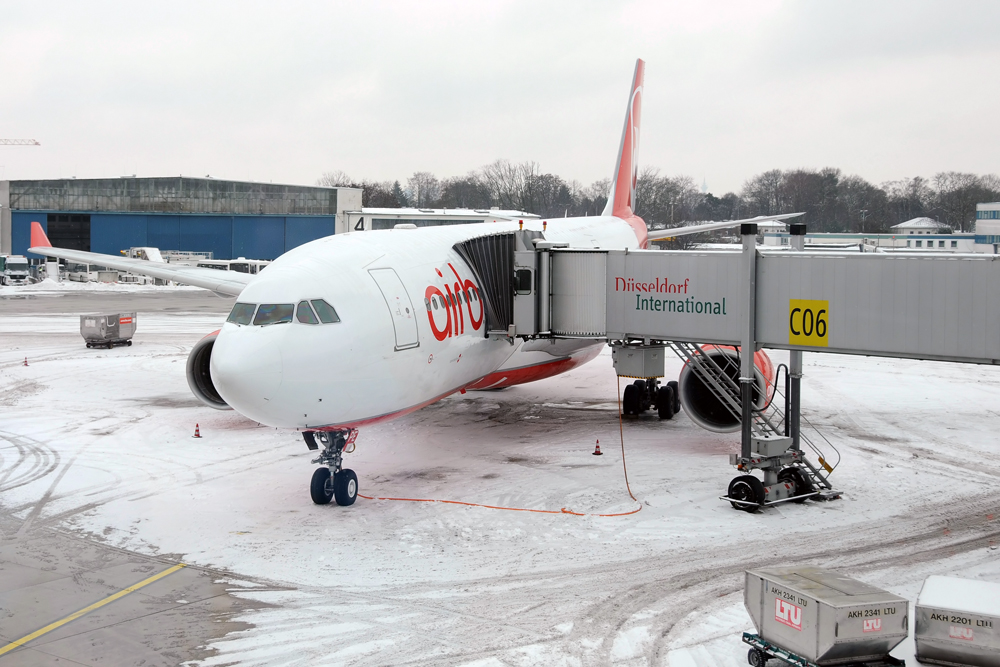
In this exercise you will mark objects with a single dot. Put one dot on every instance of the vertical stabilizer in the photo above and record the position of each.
(622, 195)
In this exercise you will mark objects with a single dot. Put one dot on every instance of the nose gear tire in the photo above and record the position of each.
(321, 489)
(345, 487)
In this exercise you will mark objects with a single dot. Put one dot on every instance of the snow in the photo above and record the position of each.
(50, 287)
(385, 582)
(966, 595)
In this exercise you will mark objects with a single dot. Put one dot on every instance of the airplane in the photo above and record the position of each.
(359, 328)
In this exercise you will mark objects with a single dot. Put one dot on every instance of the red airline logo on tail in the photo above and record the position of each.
(621, 199)
(627, 172)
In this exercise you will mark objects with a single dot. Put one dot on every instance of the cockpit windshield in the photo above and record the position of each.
(273, 313)
(242, 313)
(312, 311)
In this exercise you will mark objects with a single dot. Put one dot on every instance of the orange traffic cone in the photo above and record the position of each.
(26, 361)
(197, 432)
(597, 449)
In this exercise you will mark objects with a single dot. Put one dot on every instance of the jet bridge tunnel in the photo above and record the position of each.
(708, 306)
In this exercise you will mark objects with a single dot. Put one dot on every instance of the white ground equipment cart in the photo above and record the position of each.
(108, 330)
(958, 622)
(811, 617)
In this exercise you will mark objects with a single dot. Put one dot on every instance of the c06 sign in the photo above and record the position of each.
(808, 322)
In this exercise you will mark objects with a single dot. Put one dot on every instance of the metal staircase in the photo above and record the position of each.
(722, 380)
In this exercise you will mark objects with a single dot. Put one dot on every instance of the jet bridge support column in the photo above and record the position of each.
(798, 234)
(748, 344)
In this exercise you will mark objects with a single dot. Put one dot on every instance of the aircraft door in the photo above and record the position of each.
(404, 319)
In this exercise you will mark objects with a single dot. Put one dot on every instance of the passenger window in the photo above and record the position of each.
(273, 313)
(327, 315)
(305, 314)
(427, 302)
(242, 313)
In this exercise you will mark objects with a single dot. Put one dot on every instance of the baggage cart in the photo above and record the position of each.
(814, 617)
(958, 622)
(108, 330)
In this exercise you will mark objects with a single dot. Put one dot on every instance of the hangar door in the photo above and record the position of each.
(404, 320)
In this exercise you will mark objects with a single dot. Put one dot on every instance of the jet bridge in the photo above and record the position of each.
(709, 306)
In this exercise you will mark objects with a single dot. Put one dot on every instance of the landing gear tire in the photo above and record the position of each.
(631, 399)
(795, 476)
(345, 487)
(756, 657)
(322, 487)
(677, 395)
(665, 402)
(747, 489)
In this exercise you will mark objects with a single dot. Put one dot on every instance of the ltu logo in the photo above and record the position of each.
(872, 625)
(956, 632)
(788, 614)
(449, 307)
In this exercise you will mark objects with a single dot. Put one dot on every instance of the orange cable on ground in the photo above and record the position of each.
(621, 432)
(564, 510)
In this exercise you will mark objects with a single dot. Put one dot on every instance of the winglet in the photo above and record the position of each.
(621, 199)
(38, 237)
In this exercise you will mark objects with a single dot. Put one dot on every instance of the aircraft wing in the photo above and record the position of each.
(229, 283)
(711, 226)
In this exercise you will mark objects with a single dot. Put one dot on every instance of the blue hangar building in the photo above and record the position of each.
(227, 218)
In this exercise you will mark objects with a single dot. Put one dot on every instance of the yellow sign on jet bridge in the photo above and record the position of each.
(808, 322)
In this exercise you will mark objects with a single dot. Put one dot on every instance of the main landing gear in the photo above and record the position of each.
(642, 395)
(334, 482)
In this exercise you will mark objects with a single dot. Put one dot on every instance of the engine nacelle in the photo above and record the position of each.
(199, 373)
(700, 402)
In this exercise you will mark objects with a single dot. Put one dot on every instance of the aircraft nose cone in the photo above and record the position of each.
(246, 370)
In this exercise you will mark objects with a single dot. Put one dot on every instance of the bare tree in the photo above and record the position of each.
(334, 179)
(423, 189)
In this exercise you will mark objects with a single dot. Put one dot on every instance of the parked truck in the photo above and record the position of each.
(14, 270)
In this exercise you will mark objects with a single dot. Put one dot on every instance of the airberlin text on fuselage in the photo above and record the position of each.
(458, 297)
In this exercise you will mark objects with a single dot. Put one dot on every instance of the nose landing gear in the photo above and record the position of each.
(334, 482)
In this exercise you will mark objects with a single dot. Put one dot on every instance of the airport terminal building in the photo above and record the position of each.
(227, 218)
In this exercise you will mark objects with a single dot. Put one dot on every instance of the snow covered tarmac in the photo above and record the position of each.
(390, 582)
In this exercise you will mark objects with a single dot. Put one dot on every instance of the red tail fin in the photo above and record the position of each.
(38, 237)
(622, 196)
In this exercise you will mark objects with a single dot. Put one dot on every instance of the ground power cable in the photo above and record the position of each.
(564, 510)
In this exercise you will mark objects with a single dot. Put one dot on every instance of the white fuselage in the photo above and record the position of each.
(391, 352)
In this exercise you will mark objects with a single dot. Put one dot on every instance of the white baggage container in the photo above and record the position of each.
(824, 618)
(958, 622)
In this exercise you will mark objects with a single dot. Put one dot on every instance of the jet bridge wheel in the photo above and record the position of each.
(631, 400)
(795, 475)
(748, 489)
(673, 384)
(322, 487)
(666, 402)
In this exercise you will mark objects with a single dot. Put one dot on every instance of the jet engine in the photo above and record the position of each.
(199, 373)
(700, 402)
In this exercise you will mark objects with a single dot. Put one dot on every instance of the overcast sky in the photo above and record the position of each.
(286, 91)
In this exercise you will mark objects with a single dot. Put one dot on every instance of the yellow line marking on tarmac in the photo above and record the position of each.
(86, 610)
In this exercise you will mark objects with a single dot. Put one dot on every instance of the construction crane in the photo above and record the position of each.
(19, 142)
